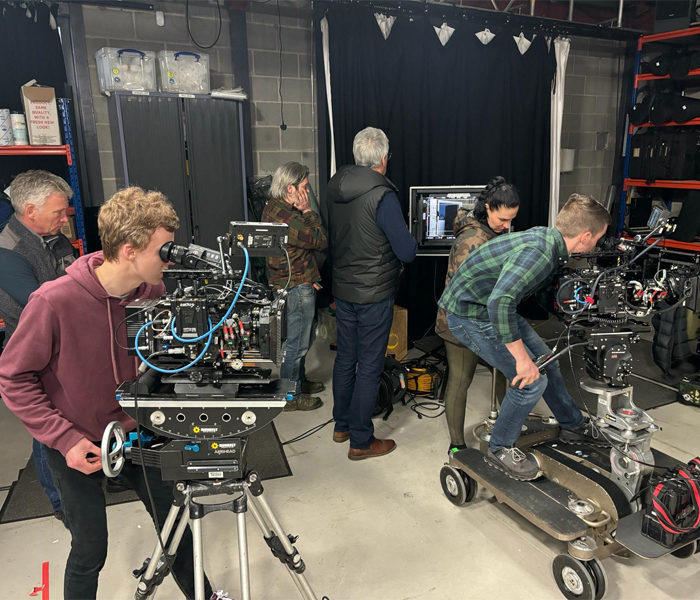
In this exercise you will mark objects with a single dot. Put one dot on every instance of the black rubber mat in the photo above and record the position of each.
(27, 500)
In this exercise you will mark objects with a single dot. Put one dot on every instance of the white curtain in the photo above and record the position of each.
(561, 49)
(329, 99)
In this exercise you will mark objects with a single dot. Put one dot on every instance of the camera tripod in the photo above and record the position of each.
(186, 493)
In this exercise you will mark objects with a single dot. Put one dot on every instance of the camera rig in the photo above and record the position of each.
(206, 347)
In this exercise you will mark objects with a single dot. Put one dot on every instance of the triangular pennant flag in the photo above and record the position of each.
(522, 42)
(444, 33)
(385, 22)
(485, 36)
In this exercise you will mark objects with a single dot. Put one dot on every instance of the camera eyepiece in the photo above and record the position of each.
(171, 252)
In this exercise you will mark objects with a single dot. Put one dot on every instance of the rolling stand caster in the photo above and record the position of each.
(457, 485)
(578, 579)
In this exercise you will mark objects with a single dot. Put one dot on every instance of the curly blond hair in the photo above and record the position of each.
(131, 216)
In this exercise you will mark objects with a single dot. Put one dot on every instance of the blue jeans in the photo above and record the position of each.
(482, 338)
(301, 312)
(363, 335)
(44, 475)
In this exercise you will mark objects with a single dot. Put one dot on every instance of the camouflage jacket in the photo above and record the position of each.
(306, 235)
(470, 233)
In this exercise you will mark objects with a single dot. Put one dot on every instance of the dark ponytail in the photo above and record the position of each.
(498, 194)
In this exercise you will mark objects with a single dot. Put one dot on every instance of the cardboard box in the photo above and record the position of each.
(398, 337)
(41, 113)
(68, 229)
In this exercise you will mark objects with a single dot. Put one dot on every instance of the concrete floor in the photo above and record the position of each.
(374, 530)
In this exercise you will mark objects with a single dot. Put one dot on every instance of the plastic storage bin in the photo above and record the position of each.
(183, 72)
(126, 69)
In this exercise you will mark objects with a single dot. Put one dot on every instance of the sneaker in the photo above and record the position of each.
(303, 402)
(586, 433)
(514, 463)
(312, 387)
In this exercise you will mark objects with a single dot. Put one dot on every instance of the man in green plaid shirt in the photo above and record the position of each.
(481, 302)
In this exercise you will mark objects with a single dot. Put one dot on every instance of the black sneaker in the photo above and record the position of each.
(514, 463)
(586, 433)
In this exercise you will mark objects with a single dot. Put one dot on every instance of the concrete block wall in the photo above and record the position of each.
(294, 91)
(122, 28)
(591, 97)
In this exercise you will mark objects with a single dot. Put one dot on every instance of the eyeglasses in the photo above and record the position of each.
(388, 157)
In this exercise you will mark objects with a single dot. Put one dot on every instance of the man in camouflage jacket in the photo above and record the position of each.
(289, 203)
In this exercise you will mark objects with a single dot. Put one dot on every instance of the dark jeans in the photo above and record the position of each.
(462, 363)
(482, 338)
(363, 335)
(86, 517)
(44, 475)
(301, 312)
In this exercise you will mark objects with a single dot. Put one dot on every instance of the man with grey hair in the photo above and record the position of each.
(33, 251)
(289, 203)
(368, 241)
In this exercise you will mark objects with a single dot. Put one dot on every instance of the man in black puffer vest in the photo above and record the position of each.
(368, 241)
(33, 251)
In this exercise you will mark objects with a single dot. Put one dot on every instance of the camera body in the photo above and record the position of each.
(206, 347)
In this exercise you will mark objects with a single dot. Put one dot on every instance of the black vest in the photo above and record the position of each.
(48, 263)
(365, 269)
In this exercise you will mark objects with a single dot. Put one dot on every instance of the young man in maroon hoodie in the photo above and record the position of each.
(60, 370)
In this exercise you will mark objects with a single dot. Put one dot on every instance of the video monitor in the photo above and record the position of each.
(432, 212)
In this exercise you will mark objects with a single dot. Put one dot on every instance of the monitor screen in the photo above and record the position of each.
(433, 212)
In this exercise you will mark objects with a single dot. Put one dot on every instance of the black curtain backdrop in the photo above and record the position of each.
(455, 114)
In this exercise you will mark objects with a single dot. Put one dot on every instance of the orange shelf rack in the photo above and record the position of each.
(38, 151)
(663, 183)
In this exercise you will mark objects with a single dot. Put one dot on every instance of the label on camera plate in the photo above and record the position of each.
(186, 95)
(206, 430)
(216, 474)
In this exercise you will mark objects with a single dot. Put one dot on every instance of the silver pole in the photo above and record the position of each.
(532, 8)
(571, 10)
(619, 14)
(510, 3)
(494, 400)
(495, 6)
(243, 556)
(197, 551)
(158, 552)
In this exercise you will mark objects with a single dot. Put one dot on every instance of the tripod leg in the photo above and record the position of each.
(147, 585)
(196, 524)
(243, 555)
(280, 544)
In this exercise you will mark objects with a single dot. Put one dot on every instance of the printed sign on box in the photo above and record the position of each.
(42, 115)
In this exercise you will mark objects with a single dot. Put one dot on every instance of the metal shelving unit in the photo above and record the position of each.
(640, 77)
(67, 150)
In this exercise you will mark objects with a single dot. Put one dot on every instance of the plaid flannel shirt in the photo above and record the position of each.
(497, 276)
(306, 234)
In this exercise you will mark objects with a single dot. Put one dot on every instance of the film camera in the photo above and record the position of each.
(206, 348)
(606, 300)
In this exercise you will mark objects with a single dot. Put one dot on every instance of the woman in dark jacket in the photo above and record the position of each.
(494, 211)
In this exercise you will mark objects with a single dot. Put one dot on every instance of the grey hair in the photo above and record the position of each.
(369, 147)
(34, 187)
(291, 173)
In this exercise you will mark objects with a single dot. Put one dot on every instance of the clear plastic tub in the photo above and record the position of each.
(126, 69)
(184, 72)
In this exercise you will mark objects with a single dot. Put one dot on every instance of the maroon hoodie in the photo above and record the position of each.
(60, 369)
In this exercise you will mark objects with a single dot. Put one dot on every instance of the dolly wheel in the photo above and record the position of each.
(686, 551)
(573, 578)
(597, 571)
(457, 485)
